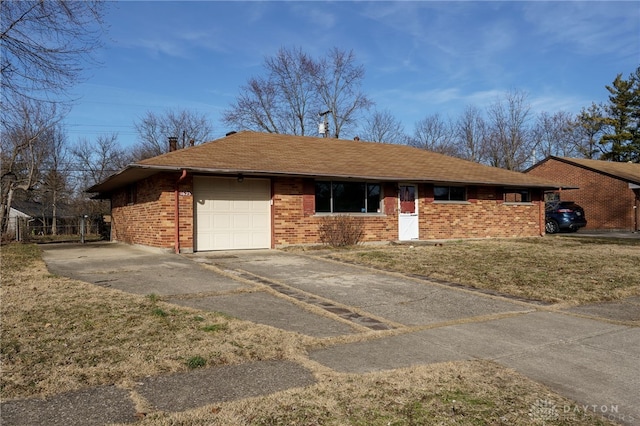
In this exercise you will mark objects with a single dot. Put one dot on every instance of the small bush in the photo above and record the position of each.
(196, 362)
(159, 312)
(341, 231)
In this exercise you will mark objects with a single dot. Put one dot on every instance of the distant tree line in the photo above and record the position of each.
(508, 135)
(294, 88)
(47, 44)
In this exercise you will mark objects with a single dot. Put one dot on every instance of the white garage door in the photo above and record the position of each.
(232, 215)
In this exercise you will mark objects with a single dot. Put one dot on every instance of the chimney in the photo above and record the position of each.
(173, 143)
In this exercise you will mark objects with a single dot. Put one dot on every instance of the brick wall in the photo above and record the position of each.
(295, 222)
(608, 202)
(143, 213)
(485, 215)
(149, 218)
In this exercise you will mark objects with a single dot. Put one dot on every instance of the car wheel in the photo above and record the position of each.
(551, 227)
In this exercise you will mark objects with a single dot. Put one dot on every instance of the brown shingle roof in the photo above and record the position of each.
(253, 153)
(629, 172)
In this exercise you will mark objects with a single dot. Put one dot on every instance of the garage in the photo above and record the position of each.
(232, 213)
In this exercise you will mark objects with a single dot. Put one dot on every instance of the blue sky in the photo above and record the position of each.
(420, 58)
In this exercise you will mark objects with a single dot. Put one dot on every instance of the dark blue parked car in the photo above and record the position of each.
(564, 215)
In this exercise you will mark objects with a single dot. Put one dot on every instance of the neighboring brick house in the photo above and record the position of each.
(608, 191)
(260, 190)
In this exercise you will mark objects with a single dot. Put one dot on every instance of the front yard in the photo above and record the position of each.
(560, 269)
(60, 335)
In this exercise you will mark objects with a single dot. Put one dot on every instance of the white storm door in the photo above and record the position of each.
(408, 213)
(232, 215)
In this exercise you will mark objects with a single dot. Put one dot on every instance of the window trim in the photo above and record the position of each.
(379, 209)
(449, 200)
(131, 194)
(520, 191)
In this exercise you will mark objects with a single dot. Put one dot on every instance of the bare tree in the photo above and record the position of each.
(295, 89)
(338, 85)
(510, 145)
(54, 184)
(255, 108)
(434, 134)
(96, 160)
(552, 134)
(93, 162)
(471, 135)
(26, 131)
(44, 46)
(282, 102)
(292, 73)
(154, 131)
(382, 126)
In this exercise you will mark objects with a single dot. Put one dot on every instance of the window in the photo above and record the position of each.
(517, 196)
(449, 193)
(131, 194)
(347, 197)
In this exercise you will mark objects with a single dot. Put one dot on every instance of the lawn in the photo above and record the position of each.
(559, 269)
(60, 334)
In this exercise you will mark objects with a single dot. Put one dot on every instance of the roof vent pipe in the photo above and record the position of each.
(173, 143)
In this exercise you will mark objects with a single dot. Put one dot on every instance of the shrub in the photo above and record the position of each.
(196, 362)
(159, 312)
(341, 230)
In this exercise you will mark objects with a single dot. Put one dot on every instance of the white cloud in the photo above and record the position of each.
(160, 46)
(593, 28)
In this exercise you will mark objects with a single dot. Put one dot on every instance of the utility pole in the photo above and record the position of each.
(323, 127)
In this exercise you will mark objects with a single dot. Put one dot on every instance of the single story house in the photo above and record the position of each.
(260, 190)
(608, 191)
(16, 219)
(37, 218)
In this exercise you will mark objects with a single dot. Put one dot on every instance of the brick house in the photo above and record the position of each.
(608, 191)
(260, 190)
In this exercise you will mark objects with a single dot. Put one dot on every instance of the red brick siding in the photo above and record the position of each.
(295, 222)
(608, 202)
(150, 220)
(485, 215)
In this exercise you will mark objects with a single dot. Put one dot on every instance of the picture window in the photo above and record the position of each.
(347, 197)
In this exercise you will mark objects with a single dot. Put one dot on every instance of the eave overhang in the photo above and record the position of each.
(136, 172)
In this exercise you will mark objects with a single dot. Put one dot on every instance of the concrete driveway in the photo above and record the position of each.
(408, 321)
(589, 233)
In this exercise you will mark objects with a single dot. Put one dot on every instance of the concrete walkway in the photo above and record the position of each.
(581, 354)
(171, 393)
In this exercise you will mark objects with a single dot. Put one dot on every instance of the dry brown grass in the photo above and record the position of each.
(60, 334)
(553, 269)
(461, 393)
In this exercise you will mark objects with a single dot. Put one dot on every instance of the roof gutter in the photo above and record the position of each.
(271, 173)
(107, 185)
